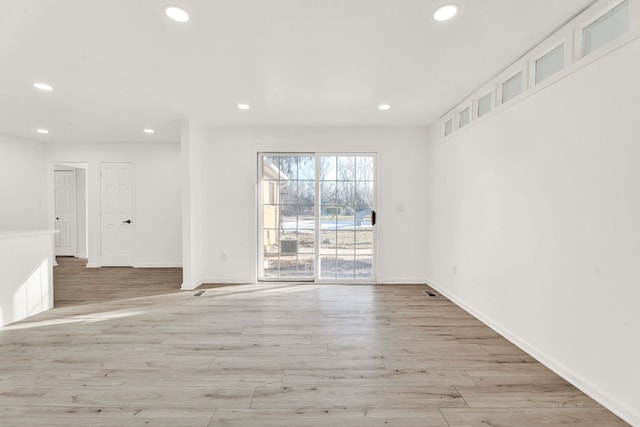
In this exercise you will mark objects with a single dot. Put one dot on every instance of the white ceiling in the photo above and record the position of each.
(118, 66)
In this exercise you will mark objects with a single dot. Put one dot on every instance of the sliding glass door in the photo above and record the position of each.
(303, 237)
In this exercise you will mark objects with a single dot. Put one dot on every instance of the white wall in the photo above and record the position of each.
(191, 147)
(22, 184)
(158, 222)
(534, 225)
(229, 179)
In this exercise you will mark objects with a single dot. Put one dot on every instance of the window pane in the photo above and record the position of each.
(271, 167)
(609, 27)
(464, 117)
(550, 64)
(512, 87)
(327, 193)
(306, 244)
(346, 193)
(289, 167)
(306, 192)
(363, 266)
(346, 240)
(328, 169)
(448, 127)
(305, 265)
(484, 105)
(288, 192)
(328, 241)
(346, 168)
(364, 168)
(345, 267)
(328, 266)
(364, 193)
(306, 168)
(270, 216)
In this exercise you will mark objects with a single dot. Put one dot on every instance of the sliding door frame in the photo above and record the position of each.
(317, 218)
(318, 206)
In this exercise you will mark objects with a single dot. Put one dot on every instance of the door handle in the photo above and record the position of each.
(57, 219)
(373, 217)
(127, 221)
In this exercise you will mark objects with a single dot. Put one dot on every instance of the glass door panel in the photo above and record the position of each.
(346, 206)
(287, 220)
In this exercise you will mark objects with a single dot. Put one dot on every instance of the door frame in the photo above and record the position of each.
(260, 231)
(50, 204)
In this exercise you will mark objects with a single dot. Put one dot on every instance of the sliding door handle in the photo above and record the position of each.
(127, 221)
(373, 217)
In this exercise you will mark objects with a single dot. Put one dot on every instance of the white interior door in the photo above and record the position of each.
(117, 214)
(65, 211)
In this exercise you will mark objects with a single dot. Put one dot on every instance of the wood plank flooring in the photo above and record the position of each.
(108, 284)
(125, 347)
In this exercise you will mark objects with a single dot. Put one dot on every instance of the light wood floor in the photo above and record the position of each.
(269, 355)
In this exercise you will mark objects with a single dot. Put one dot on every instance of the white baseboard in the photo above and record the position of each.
(190, 287)
(93, 265)
(402, 282)
(223, 280)
(600, 396)
(158, 265)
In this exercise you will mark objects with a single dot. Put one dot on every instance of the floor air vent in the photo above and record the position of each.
(199, 293)
(429, 294)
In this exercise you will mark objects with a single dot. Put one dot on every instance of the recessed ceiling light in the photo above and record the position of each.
(446, 12)
(384, 107)
(243, 106)
(149, 131)
(42, 130)
(176, 13)
(42, 86)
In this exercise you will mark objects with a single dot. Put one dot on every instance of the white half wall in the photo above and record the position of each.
(534, 226)
(158, 232)
(26, 274)
(22, 184)
(228, 197)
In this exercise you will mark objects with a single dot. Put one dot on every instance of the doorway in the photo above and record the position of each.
(68, 208)
(316, 217)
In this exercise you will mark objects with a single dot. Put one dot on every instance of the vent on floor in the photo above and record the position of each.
(429, 294)
(199, 293)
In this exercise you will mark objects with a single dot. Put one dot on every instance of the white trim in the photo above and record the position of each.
(579, 31)
(533, 63)
(93, 265)
(158, 265)
(563, 371)
(597, 13)
(233, 281)
(443, 131)
(512, 76)
(396, 282)
(467, 106)
(476, 104)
